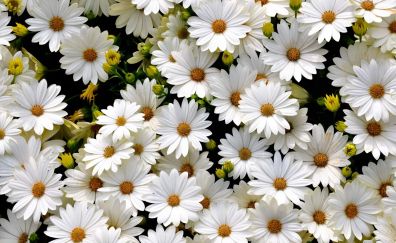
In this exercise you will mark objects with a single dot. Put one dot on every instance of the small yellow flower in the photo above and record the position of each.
(220, 173)
(332, 102)
(152, 71)
(20, 30)
(211, 145)
(340, 126)
(15, 66)
(350, 149)
(107, 67)
(113, 57)
(66, 160)
(360, 27)
(88, 93)
(228, 166)
(268, 29)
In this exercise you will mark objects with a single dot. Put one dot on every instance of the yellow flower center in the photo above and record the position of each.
(267, 109)
(377, 91)
(95, 183)
(56, 23)
(197, 74)
(38, 189)
(15, 66)
(205, 202)
(77, 235)
(90, 55)
(173, 200)
(328, 17)
(187, 168)
(148, 113)
(280, 184)
(235, 98)
(184, 129)
(251, 204)
(367, 5)
(374, 129)
(37, 110)
(382, 189)
(109, 151)
(351, 211)
(139, 149)
(274, 226)
(224, 230)
(219, 26)
(319, 217)
(293, 54)
(126, 187)
(245, 153)
(321, 160)
(2, 134)
(120, 121)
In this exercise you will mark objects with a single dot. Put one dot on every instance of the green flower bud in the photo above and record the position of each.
(346, 171)
(220, 173)
(33, 238)
(320, 101)
(295, 5)
(185, 14)
(228, 166)
(145, 49)
(268, 29)
(340, 126)
(130, 78)
(355, 175)
(211, 145)
(360, 27)
(158, 89)
(227, 58)
(90, 15)
(72, 145)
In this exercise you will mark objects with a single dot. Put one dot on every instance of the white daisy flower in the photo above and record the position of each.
(16, 230)
(35, 190)
(374, 137)
(227, 90)
(174, 198)
(6, 31)
(160, 235)
(192, 163)
(293, 53)
(38, 106)
(163, 57)
(370, 91)
(110, 235)
(120, 120)
(96, 7)
(354, 209)
(219, 24)
(213, 191)
(129, 184)
(374, 10)
(275, 223)
(182, 127)
(265, 108)
(54, 21)
(295, 137)
(243, 198)
(103, 154)
(274, 7)
(8, 132)
(120, 217)
(145, 146)
(142, 94)
(17, 66)
(135, 21)
(325, 155)
(244, 150)
(284, 179)
(84, 54)
(349, 57)
(224, 222)
(384, 33)
(378, 177)
(386, 229)
(81, 186)
(78, 223)
(315, 214)
(177, 28)
(154, 6)
(329, 18)
(191, 72)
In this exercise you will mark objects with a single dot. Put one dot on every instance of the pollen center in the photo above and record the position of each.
(205, 202)
(321, 159)
(197, 74)
(263, 2)
(108, 151)
(23, 238)
(126, 187)
(182, 33)
(120, 121)
(251, 204)
(187, 168)
(377, 91)
(319, 217)
(293, 54)
(235, 98)
(280, 184)
(374, 129)
(267, 109)
(351, 211)
(224, 230)
(392, 27)
(245, 153)
(382, 189)
(183, 129)
(219, 26)
(139, 149)
(173, 200)
(77, 234)
(367, 5)
(2, 134)
(56, 23)
(171, 59)
(90, 55)
(38, 189)
(37, 110)
(328, 17)
(148, 113)
(95, 183)
(274, 226)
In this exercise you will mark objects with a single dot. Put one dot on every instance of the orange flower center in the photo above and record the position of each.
(319, 217)
(90, 55)
(321, 160)
(182, 33)
(139, 149)
(328, 17)
(120, 121)
(148, 113)
(382, 189)
(224, 230)
(56, 23)
(183, 129)
(367, 5)
(280, 184)
(274, 226)
(351, 211)
(187, 168)
(293, 54)
(219, 26)
(392, 27)
(37, 110)
(77, 234)
(108, 151)
(267, 109)
(126, 187)
(245, 153)
(23, 238)
(235, 98)
(374, 129)
(173, 200)
(197, 74)
(2, 134)
(377, 91)
(38, 189)
(205, 202)
(95, 183)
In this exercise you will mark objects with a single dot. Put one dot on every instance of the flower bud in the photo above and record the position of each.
(340, 126)
(211, 145)
(20, 30)
(228, 166)
(67, 160)
(332, 102)
(360, 27)
(295, 5)
(152, 71)
(130, 78)
(158, 89)
(220, 173)
(268, 29)
(346, 171)
(350, 149)
(227, 58)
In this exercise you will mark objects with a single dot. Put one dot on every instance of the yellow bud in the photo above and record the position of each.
(355, 175)
(295, 5)
(158, 89)
(220, 173)
(113, 57)
(152, 71)
(228, 166)
(20, 30)
(107, 67)
(346, 171)
(227, 58)
(340, 126)
(350, 149)
(67, 160)
(211, 145)
(360, 27)
(332, 102)
(268, 29)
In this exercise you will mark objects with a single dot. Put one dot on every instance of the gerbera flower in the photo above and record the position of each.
(374, 10)
(8, 132)
(16, 230)
(120, 120)
(54, 21)
(370, 91)
(243, 198)
(378, 177)
(224, 222)
(371, 136)
(162, 57)
(325, 154)
(17, 66)
(96, 7)
(244, 150)
(315, 215)
(284, 179)
(174, 198)
(35, 190)
(330, 18)
(274, 7)
(264, 108)
(38, 106)
(384, 33)
(191, 72)
(163, 236)
(142, 94)
(227, 90)
(103, 154)
(353, 209)
(182, 127)
(154, 6)
(84, 54)
(275, 223)
(129, 184)
(78, 223)
(134, 20)
(145, 146)
(293, 53)
(6, 31)
(192, 163)
(219, 25)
